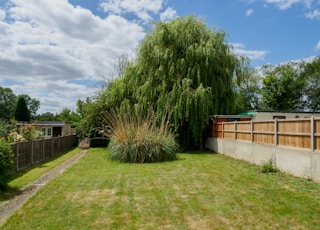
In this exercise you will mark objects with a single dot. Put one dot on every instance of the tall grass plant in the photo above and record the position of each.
(139, 136)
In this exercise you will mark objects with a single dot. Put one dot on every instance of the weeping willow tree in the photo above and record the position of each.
(183, 65)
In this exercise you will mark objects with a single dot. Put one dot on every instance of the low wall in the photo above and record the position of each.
(296, 161)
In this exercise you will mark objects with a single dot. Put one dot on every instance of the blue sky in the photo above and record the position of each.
(57, 51)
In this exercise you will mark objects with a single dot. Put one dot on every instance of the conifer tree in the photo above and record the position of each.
(22, 112)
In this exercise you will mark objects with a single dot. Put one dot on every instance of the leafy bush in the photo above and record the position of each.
(268, 167)
(3, 128)
(6, 163)
(136, 138)
(29, 132)
(25, 132)
(7, 127)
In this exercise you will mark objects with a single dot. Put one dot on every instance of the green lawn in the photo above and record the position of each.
(198, 191)
(23, 178)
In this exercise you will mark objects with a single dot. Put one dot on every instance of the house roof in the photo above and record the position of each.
(254, 112)
(230, 116)
(50, 123)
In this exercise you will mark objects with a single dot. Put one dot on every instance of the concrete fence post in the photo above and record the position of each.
(276, 132)
(235, 130)
(312, 133)
(275, 142)
(52, 142)
(43, 149)
(222, 130)
(17, 156)
(251, 131)
(32, 153)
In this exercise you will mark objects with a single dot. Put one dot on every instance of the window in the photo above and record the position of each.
(233, 119)
(46, 132)
(49, 131)
(279, 117)
(43, 130)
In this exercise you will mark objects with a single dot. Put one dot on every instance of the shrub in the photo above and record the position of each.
(3, 128)
(29, 132)
(6, 163)
(136, 138)
(268, 167)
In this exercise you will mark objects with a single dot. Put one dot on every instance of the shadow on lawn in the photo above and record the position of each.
(9, 193)
(200, 152)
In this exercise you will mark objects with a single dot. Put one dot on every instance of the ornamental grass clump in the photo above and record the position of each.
(140, 137)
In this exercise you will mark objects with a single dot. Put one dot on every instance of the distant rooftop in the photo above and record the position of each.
(254, 112)
(50, 123)
(46, 123)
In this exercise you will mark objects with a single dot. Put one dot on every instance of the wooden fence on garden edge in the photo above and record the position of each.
(299, 133)
(28, 153)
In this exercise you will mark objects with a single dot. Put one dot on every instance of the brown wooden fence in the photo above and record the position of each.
(28, 153)
(300, 133)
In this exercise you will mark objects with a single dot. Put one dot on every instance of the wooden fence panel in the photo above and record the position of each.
(294, 133)
(38, 151)
(294, 126)
(218, 130)
(48, 148)
(55, 146)
(28, 153)
(228, 130)
(300, 133)
(263, 126)
(297, 141)
(243, 131)
(228, 135)
(264, 138)
(24, 155)
(228, 126)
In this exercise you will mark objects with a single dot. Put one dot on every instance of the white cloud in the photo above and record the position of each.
(53, 94)
(286, 4)
(315, 14)
(309, 5)
(48, 43)
(2, 15)
(239, 49)
(143, 9)
(318, 46)
(168, 14)
(248, 1)
(249, 12)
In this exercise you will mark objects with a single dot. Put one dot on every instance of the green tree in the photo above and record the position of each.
(46, 117)
(8, 101)
(312, 74)
(283, 87)
(32, 104)
(91, 117)
(185, 66)
(248, 89)
(68, 115)
(22, 112)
